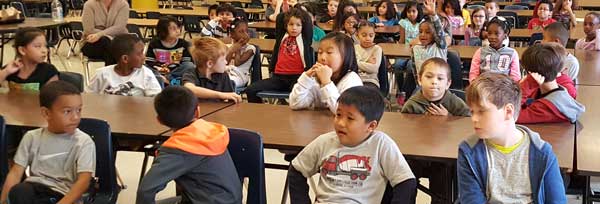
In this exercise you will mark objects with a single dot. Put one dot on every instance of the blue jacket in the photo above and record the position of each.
(544, 174)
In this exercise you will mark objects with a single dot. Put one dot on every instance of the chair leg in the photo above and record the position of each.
(144, 164)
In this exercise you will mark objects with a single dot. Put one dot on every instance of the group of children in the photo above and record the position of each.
(342, 79)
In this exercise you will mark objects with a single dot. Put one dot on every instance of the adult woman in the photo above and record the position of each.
(102, 20)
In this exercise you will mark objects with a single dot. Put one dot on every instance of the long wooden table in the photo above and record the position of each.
(196, 11)
(587, 139)
(589, 67)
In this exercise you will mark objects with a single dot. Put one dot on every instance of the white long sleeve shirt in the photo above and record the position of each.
(307, 93)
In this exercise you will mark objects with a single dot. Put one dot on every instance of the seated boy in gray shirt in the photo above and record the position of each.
(60, 157)
(355, 161)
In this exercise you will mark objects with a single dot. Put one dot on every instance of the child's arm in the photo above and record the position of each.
(152, 86)
(13, 178)
(397, 172)
(540, 111)
(161, 173)
(371, 65)
(201, 92)
(302, 95)
(439, 31)
(297, 186)
(244, 57)
(79, 187)
(474, 71)
(469, 190)
(329, 91)
(553, 184)
(211, 25)
(10, 68)
(515, 67)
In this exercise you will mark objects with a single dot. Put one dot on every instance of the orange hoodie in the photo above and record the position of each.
(201, 138)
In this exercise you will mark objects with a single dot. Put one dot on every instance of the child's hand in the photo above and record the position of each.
(13, 67)
(567, 5)
(230, 96)
(311, 72)
(92, 38)
(429, 7)
(537, 77)
(433, 109)
(324, 73)
(372, 60)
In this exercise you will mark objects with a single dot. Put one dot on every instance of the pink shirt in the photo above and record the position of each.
(582, 44)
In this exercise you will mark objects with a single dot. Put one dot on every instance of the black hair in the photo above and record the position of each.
(501, 22)
(485, 16)
(560, 31)
(346, 47)
(594, 14)
(123, 44)
(226, 8)
(162, 27)
(50, 92)
(176, 106)
(550, 5)
(213, 7)
(390, 11)
(299, 14)
(338, 21)
(24, 36)
(545, 59)
(410, 4)
(236, 22)
(367, 100)
(455, 6)
(429, 22)
(346, 17)
(364, 23)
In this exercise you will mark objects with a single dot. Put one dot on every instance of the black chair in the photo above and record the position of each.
(76, 7)
(246, 150)
(153, 15)
(135, 30)
(511, 17)
(107, 189)
(192, 24)
(459, 93)
(134, 14)
(73, 78)
(455, 69)
(382, 76)
(535, 37)
(3, 152)
(70, 32)
(21, 7)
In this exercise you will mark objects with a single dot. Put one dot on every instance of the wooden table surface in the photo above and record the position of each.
(30, 22)
(136, 21)
(588, 139)
(520, 33)
(589, 4)
(589, 68)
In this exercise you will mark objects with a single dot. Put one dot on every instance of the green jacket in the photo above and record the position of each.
(417, 104)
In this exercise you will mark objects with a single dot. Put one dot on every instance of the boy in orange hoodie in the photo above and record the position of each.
(195, 155)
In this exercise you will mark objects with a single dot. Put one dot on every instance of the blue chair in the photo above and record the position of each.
(73, 78)
(246, 150)
(382, 76)
(535, 37)
(107, 189)
(3, 152)
(455, 69)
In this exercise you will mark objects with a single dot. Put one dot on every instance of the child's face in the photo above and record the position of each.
(479, 18)
(350, 9)
(548, 37)
(382, 10)
(329, 54)
(218, 65)
(137, 57)
(64, 115)
(366, 36)
(174, 31)
(425, 33)
(36, 50)
(434, 82)
(491, 9)
(350, 25)
(495, 35)
(488, 119)
(294, 26)
(590, 24)
(449, 10)
(412, 13)
(212, 14)
(240, 32)
(332, 7)
(226, 18)
(544, 12)
(350, 125)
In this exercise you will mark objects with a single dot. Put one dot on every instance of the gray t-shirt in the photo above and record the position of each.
(353, 174)
(55, 159)
(572, 65)
(508, 174)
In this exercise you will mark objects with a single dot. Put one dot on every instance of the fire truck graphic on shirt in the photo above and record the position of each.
(353, 166)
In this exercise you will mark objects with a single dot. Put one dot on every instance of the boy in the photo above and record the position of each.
(355, 140)
(491, 8)
(548, 102)
(544, 17)
(434, 97)
(558, 33)
(212, 11)
(332, 6)
(218, 27)
(504, 162)
(195, 155)
(209, 80)
(60, 157)
(129, 77)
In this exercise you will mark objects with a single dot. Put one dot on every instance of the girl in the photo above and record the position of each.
(334, 72)
(332, 7)
(386, 14)
(591, 28)
(29, 71)
(240, 54)
(410, 19)
(563, 12)
(368, 54)
(292, 54)
(478, 17)
(346, 7)
(496, 57)
(349, 28)
(168, 53)
(453, 12)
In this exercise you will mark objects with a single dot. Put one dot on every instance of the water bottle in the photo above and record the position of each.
(57, 11)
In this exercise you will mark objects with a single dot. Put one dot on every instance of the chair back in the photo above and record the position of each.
(246, 150)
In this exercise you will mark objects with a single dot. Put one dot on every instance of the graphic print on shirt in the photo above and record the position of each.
(502, 66)
(169, 56)
(125, 89)
(24, 86)
(348, 170)
(290, 46)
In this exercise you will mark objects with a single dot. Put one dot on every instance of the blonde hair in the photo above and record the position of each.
(205, 49)
(494, 88)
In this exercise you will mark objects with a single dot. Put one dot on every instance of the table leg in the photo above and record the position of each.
(2, 49)
(586, 191)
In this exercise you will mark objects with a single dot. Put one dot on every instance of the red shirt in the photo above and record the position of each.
(537, 25)
(289, 61)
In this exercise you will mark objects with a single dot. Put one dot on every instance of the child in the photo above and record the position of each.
(368, 55)
(270, 11)
(544, 17)
(334, 72)
(431, 37)
(292, 54)
(591, 28)
(240, 54)
(558, 33)
(61, 158)
(346, 7)
(454, 13)
(218, 26)
(563, 13)
(386, 14)
(195, 156)
(212, 11)
(410, 19)
(209, 80)
(473, 31)
(129, 77)
(496, 57)
(357, 116)
(434, 97)
(550, 102)
(504, 161)
(466, 14)
(491, 8)
(29, 71)
(349, 28)
(169, 53)
(332, 7)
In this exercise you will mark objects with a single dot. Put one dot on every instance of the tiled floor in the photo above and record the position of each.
(129, 163)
